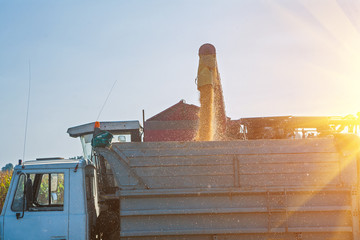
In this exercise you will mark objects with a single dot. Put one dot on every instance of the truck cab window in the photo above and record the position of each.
(17, 204)
(47, 192)
(50, 192)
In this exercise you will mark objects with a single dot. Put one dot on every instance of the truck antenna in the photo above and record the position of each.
(102, 108)
(27, 111)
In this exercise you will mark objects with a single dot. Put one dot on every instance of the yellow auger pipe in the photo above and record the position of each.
(212, 125)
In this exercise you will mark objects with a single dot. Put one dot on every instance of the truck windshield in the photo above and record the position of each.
(86, 145)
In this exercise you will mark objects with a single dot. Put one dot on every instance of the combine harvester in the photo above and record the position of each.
(264, 189)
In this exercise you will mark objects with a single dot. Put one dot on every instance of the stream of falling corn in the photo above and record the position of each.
(212, 119)
(219, 112)
(206, 118)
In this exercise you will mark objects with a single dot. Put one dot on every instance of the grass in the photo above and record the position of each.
(5, 178)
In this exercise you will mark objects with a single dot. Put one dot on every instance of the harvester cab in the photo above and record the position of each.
(122, 131)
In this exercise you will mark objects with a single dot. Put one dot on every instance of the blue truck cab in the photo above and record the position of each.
(56, 198)
(50, 186)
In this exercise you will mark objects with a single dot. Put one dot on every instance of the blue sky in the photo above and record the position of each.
(275, 57)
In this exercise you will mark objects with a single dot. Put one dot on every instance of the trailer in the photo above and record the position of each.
(256, 189)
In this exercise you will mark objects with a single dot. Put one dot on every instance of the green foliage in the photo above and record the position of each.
(5, 179)
(8, 167)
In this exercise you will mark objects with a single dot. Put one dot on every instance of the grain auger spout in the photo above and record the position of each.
(212, 124)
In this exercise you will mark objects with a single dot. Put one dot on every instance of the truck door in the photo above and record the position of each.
(46, 215)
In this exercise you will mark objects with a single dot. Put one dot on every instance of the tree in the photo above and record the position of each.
(8, 167)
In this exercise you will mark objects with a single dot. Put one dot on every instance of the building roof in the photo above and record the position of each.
(179, 111)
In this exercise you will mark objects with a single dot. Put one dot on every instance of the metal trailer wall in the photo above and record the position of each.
(260, 189)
